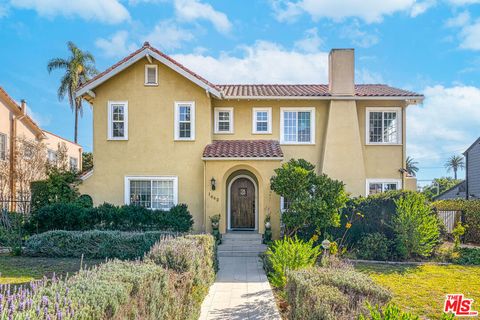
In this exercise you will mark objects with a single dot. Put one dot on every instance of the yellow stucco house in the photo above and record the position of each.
(165, 135)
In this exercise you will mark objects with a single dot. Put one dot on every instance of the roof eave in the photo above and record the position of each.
(415, 99)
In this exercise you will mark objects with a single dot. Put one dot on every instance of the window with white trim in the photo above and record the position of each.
(297, 125)
(284, 204)
(223, 120)
(52, 156)
(151, 74)
(262, 120)
(3, 146)
(152, 192)
(184, 120)
(73, 164)
(118, 120)
(384, 126)
(379, 186)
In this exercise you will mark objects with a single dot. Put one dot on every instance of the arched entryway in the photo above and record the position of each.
(242, 203)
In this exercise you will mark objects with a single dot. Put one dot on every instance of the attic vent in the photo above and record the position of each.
(151, 74)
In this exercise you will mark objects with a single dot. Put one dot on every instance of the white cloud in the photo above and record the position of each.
(460, 20)
(463, 2)
(446, 123)
(264, 62)
(470, 35)
(191, 10)
(368, 10)
(358, 37)
(117, 45)
(107, 11)
(167, 35)
(366, 76)
(311, 42)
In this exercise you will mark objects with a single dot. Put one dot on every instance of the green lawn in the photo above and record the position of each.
(422, 289)
(17, 270)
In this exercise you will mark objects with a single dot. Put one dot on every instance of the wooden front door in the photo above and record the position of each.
(242, 204)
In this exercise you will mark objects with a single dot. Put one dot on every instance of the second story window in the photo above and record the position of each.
(73, 164)
(379, 186)
(118, 120)
(3, 146)
(184, 120)
(262, 120)
(384, 126)
(297, 125)
(151, 74)
(223, 120)
(52, 157)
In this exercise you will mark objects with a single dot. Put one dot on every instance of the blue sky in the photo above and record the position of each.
(430, 46)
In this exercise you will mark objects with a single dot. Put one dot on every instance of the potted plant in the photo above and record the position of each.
(267, 236)
(215, 220)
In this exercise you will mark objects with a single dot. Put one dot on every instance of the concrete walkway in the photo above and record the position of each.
(241, 291)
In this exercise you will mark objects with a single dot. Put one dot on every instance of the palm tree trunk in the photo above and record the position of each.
(75, 138)
(455, 173)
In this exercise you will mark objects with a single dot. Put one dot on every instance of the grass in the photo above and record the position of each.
(422, 289)
(18, 270)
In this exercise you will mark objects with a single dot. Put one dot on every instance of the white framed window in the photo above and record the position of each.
(3, 146)
(384, 125)
(297, 125)
(152, 192)
(151, 75)
(117, 120)
(52, 156)
(184, 120)
(375, 186)
(73, 164)
(284, 204)
(262, 120)
(223, 120)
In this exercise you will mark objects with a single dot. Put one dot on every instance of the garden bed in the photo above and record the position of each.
(421, 289)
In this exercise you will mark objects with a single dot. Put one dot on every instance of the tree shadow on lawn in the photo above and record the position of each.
(385, 268)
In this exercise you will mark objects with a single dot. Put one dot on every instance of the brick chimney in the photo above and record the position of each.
(341, 72)
(23, 106)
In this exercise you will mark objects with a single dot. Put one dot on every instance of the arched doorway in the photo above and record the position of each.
(242, 208)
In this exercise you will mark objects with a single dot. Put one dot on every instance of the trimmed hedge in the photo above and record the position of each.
(331, 293)
(471, 215)
(93, 244)
(74, 216)
(132, 289)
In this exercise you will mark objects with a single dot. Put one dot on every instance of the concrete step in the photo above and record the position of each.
(242, 236)
(241, 242)
(238, 253)
(257, 248)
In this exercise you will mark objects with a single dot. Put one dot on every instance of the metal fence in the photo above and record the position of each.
(19, 206)
(449, 219)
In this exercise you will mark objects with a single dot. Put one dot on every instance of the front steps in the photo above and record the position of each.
(241, 244)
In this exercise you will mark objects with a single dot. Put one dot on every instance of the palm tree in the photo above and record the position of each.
(78, 68)
(454, 163)
(411, 165)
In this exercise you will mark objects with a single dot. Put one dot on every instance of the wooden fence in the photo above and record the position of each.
(449, 219)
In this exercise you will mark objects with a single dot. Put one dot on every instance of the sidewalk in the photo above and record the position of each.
(241, 291)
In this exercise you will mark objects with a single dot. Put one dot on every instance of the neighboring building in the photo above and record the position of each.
(470, 187)
(20, 137)
(164, 135)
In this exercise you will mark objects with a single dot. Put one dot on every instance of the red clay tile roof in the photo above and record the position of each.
(243, 149)
(145, 46)
(309, 90)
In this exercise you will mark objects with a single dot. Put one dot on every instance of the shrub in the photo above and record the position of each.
(290, 254)
(468, 256)
(92, 244)
(390, 312)
(79, 216)
(373, 246)
(331, 293)
(471, 215)
(417, 228)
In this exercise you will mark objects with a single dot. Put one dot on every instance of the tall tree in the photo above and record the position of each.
(454, 163)
(78, 68)
(411, 164)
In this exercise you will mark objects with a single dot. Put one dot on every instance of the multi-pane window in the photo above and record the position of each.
(284, 204)
(262, 120)
(223, 120)
(118, 120)
(153, 193)
(383, 126)
(375, 187)
(151, 74)
(73, 164)
(297, 126)
(3, 146)
(52, 156)
(184, 120)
